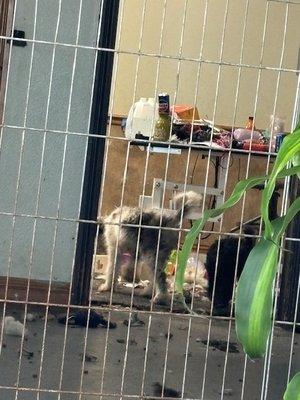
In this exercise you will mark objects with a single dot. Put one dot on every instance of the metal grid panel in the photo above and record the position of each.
(117, 383)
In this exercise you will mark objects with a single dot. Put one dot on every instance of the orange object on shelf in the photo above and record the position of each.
(256, 146)
(185, 112)
(250, 124)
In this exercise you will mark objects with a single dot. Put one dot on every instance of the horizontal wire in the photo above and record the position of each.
(86, 221)
(88, 393)
(155, 55)
(284, 2)
(143, 142)
(125, 309)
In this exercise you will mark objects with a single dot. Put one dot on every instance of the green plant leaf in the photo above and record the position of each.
(254, 295)
(296, 158)
(296, 161)
(293, 390)
(254, 298)
(289, 149)
(280, 224)
(198, 225)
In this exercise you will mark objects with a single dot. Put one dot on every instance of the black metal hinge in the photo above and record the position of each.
(18, 35)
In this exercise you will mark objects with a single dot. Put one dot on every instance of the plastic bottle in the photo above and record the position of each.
(163, 123)
(141, 118)
(249, 124)
(276, 127)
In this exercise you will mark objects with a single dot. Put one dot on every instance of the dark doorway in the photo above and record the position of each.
(95, 152)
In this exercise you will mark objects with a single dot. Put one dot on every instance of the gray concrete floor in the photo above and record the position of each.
(160, 355)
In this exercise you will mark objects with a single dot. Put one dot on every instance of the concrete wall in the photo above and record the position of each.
(184, 86)
(25, 199)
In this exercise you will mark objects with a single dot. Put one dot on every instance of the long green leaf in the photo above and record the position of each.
(293, 390)
(198, 225)
(254, 296)
(289, 149)
(296, 161)
(296, 158)
(283, 222)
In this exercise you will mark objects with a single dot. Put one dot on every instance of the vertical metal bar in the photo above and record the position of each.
(17, 189)
(243, 203)
(1, 142)
(268, 357)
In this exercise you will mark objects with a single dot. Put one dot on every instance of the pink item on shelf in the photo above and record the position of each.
(245, 134)
(224, 139)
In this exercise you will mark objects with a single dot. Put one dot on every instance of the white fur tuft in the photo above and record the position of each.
(190, 199)
(13, 327)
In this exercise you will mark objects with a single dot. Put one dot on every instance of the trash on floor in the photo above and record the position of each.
(26, 353)
(139, 285)
(82, 317)
(222, 345)
(13, 327)
(30, 317)
(134, 321)
(195, 276)
(50, 317)
(89, 357)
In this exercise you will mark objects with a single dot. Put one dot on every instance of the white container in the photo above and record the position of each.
(141, 118)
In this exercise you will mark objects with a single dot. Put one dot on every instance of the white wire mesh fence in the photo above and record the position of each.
(212, 61)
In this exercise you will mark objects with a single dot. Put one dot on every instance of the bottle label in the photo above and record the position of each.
(163, 103)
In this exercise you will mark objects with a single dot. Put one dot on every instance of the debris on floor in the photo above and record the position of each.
(82, 318)
(227, 392)
(168, 335)
(134, 321)
(26, 353)
(195, 277)
(222, 345)
(159, 391)
(13, 327)
(140, 284)
(50, 317)
(30, 317)
(89, 357)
